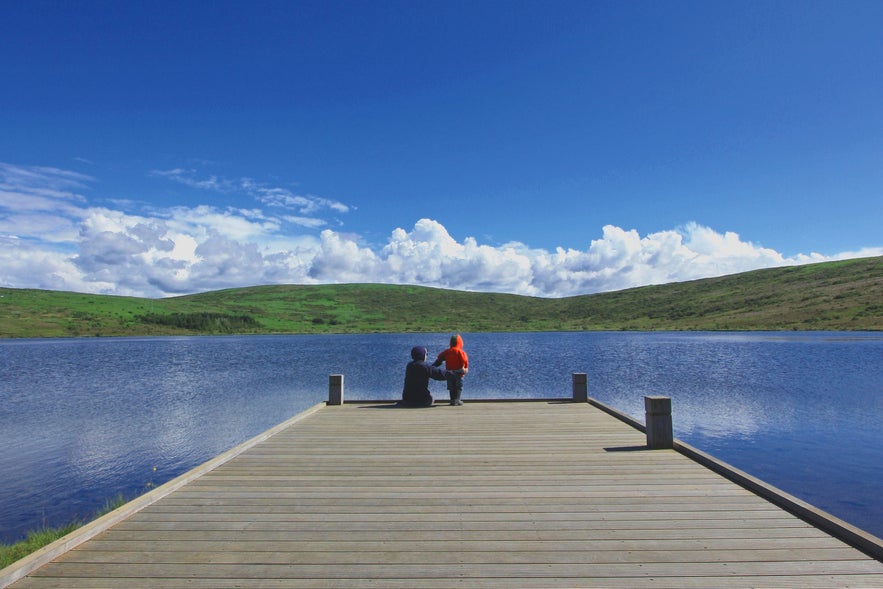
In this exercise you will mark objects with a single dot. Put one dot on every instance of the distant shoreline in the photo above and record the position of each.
(830, 296)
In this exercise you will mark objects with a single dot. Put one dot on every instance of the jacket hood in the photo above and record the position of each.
(456, 341)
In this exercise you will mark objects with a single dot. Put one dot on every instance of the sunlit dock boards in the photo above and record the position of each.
(491, 494)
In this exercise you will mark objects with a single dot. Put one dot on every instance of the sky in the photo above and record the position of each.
(546, 148)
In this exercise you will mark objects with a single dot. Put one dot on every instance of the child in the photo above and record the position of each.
(417, 374)
(457, 364)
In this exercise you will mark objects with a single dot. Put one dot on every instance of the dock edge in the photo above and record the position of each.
(836, 527)
(22, 568)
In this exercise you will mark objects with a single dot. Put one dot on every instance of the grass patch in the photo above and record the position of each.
(35, 540)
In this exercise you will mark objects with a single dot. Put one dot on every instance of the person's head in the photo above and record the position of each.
(455, 340)
(419, 353)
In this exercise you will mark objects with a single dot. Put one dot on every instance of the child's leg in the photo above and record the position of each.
(455, 386)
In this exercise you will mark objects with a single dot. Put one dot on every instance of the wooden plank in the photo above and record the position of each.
(696, 582)
(492, 554)
(462, 571)
(739, 504)
(622, 582)
(276, 536)
(285, 515)
(464, 535)
(241, 545)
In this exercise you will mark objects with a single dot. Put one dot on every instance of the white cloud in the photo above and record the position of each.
(305, 204)
(40, 201)
(44, 179)
(304, 221)
(26, 265)
(50, 237)
(188, 178)
(306, 207)
(239, 224)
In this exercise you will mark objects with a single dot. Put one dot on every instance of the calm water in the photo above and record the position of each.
(82, 420)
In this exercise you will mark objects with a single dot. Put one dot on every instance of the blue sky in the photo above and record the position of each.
(542, 148)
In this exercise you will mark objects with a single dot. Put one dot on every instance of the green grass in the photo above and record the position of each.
(846, 295)
(35, 540)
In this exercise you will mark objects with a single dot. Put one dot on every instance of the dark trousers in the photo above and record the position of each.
(455, 384)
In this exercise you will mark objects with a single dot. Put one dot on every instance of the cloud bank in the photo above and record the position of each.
(51, 237)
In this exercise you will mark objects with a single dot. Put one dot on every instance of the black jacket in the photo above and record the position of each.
(416, 389)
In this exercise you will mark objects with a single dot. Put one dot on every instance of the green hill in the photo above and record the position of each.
(845, 295)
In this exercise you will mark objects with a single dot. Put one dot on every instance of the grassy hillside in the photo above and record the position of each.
(844, 295)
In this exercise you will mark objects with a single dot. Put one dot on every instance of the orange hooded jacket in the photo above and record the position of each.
(454, 357)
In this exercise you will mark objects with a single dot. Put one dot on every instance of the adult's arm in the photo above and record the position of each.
(437, 373)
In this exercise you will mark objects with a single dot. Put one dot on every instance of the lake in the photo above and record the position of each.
(83, 420)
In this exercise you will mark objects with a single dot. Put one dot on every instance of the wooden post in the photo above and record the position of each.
(658, 422)
(580, 387)
(335, 389)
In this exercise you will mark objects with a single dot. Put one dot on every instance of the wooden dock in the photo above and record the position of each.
(490, 494)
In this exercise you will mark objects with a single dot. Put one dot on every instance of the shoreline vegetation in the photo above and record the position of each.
(830, 296)
(12, 553)
(37, 539)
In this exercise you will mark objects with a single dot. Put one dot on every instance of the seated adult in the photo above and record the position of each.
(417, 374)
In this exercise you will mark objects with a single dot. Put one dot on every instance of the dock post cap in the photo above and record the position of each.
(580, 387)
(335, 389)
(657, 404)
(658, 422)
